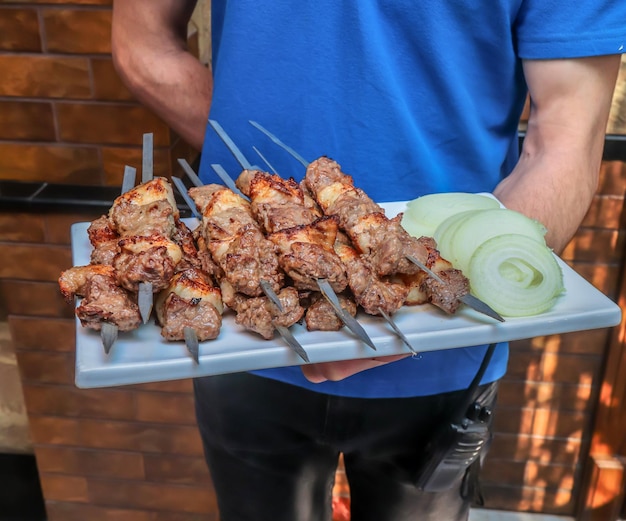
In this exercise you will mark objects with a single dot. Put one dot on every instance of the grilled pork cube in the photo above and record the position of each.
(423, 288)
(103, 300)
(146, 259)
(183, 236)
(103, 238)
(260, 315)
(320, 315)
(371, 292)
(307, 254)
(190, 300)
(146, 209)
(277, 203)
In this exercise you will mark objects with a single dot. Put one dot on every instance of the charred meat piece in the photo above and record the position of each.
(307, 254)
(371, 292)
(260, 315)
(147, 208)
(183, 237)
(190, 300)
(104, 239)
(146, 259)
(320, 315)
(423, 288)
(103, 300)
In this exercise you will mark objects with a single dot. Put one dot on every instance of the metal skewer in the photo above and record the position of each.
(145, 296)
(193, 177)
(284, 332)
(109, 331)
(468, 300)
(108, 334)
(191, 341)
(351, 323)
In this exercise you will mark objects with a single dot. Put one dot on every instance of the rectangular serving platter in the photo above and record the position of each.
(143, 356)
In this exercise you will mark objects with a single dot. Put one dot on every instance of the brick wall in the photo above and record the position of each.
(65, 117)
(130, 453)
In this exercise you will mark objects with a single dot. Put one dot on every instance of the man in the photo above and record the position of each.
(410, 98)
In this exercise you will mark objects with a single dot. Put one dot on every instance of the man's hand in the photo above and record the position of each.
(335, 371)
(149, 44)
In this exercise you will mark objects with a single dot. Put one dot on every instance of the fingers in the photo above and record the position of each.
(335, 371)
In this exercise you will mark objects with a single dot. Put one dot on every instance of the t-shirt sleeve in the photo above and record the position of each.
(570, 29)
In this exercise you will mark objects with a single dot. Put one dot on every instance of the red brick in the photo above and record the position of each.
(41, 367)
(77, 31)
(43, 334)
(114, 435)
(34, 298)
(166, 408)
(25, 120)
(20, 30)
(21, 227)
(544, 450)
(174, 498)
(109, 123)
(44, 77)
(85, 403)
(33, 261)
(547, 423)
(176, 469)
(85, 462)
(64, 488)
(63, 511)
(65, 164)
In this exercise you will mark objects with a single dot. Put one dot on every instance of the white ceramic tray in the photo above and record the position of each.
(142, 355)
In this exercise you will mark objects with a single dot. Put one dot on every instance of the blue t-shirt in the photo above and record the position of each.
(409, 97)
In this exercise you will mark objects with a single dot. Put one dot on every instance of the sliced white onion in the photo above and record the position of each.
(516, 275)
(459, 236)
(424, 214)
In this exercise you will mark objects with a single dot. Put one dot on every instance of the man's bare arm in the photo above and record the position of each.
(149, 44)
(557, 174)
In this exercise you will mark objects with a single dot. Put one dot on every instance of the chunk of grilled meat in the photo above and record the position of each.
(372, 292)
(184, 238)
(146, 259)
(307, 254)
(190, 300)
(146, 209)
(260, 315)
(103, 300)
(423, 288)
(320, 315)
(104, 239)
(235, 240)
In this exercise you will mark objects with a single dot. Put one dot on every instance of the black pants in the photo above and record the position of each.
(272, 449)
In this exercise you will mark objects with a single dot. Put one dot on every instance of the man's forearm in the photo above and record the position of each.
(557, 174)
(151, 57)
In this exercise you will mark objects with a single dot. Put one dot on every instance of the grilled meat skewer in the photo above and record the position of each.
(190, 308)
(103, 302)
(247, 261)
(327, 290)
(335, 188)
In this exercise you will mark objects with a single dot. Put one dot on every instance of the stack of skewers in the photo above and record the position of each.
(273, 251)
